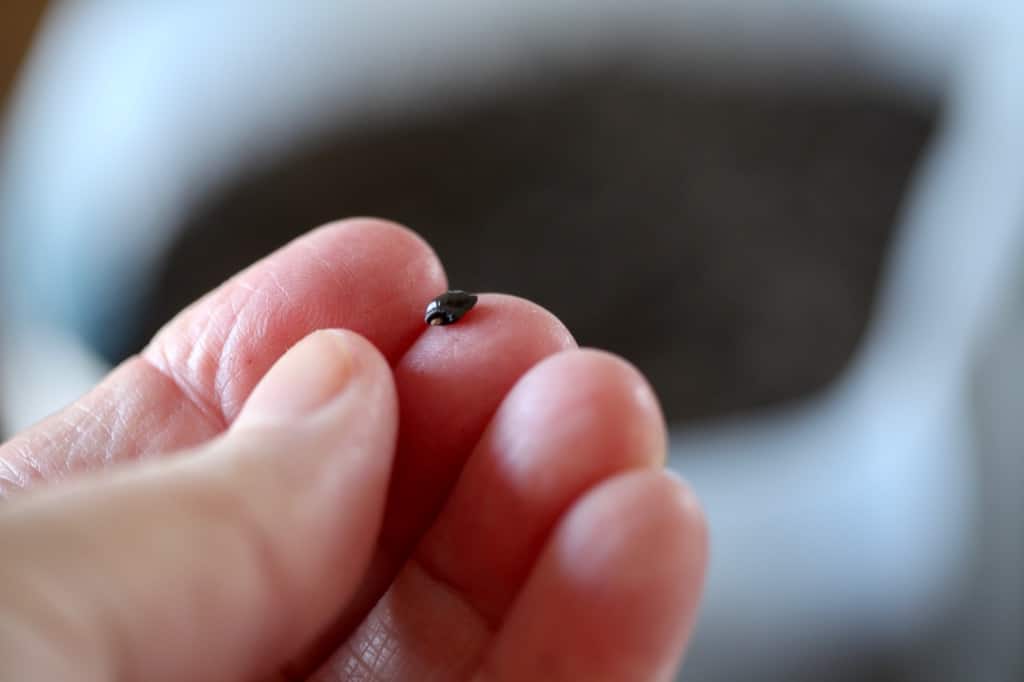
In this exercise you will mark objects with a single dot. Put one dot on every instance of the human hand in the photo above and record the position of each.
(481, 501)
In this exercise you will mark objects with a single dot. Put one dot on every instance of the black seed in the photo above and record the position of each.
(448, 307)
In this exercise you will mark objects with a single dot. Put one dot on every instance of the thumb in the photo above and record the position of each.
(217, 564)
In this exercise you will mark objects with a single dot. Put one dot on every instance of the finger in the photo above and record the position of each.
(366, 275)
(369, 276)
(572, 421)
(219, 564)
(576, 419)
(614, 594)
(450, 383)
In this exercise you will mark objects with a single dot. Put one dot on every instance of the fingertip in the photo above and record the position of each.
(646, 533)
(421, 261)
(689, 508)
(529, 314)
(366, 359)
(665, 523)
(615, 594)
(404, 264)
(667, 506)
(310, 375)
(307, 376)
(368, 275)
(451, 382)
(458, 374)
(607, 391)
(653, 512)
(576, 419)
(686, 533)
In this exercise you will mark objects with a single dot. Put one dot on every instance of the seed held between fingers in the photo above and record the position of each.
(449, 307)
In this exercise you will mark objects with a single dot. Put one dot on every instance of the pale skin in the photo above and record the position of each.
(298, 479)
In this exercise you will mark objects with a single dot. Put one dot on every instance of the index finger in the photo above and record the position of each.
(367, 275)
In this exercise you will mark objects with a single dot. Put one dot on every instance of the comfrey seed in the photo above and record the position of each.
(449, 307)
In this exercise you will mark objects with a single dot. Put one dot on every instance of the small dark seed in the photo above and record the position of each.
(449, 307)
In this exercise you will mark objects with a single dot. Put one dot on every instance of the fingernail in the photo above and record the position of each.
(303, 380)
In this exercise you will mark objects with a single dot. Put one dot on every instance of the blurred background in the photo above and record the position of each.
(801, 219)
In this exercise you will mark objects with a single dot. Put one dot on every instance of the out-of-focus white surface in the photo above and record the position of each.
(44, 370)
(848, 521)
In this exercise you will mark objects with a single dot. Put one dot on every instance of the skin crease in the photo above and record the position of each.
(461, 502)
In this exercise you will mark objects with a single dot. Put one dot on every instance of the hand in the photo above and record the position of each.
(479, 501)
